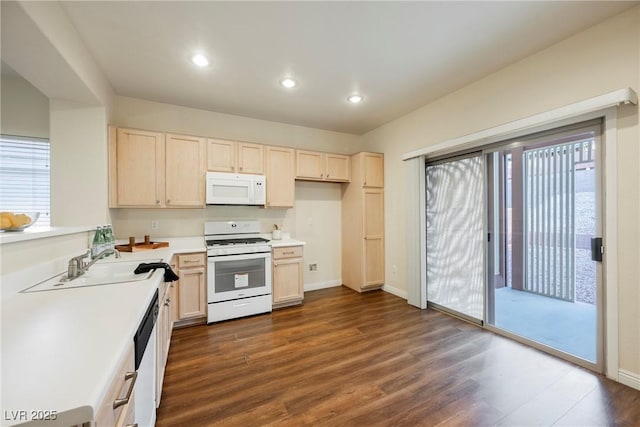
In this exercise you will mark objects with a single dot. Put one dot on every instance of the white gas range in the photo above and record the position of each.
(239, 270)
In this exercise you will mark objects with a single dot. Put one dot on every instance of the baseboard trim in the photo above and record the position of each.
(395, 291)
(629, 378)
(322, 285)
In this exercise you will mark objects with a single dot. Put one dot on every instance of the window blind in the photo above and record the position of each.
(25, 176)
(455, 236)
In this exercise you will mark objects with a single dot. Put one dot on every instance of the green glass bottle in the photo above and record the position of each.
(96, 244)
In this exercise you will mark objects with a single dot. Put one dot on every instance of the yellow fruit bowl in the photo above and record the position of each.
(13, 221)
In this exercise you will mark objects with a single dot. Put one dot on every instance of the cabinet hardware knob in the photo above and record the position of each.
(240, 167)
(157, 202)
(327, 175)
(168, 201)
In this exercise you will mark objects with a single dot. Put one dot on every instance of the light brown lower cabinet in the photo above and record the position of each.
(164, 328)
(287, 276)
(191, 288)
(118, 408)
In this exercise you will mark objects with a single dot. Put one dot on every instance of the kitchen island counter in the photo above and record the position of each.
(61, 348)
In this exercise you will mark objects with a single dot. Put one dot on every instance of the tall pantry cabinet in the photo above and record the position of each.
(363, 223)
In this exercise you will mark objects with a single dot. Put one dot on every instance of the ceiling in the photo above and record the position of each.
(398, 55)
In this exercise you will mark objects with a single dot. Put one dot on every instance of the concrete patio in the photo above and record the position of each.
(566, 326)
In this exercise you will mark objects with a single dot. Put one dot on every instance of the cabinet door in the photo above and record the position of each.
(373, 223)
(309, 165)
(373, 170)
(175, 312)
(374, 262)
(280, 177)
(185, 171)
(171, 302)
(287, 280)
(221, 155)
(191, 294)
(161, 359)
(250, 158)
(121, 382)
(139, 168)
(337, 167)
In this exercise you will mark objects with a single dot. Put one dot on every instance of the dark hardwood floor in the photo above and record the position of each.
(349, 359)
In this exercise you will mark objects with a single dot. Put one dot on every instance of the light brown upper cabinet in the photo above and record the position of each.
(155, 170)
(317, 166)
(280, 176)
(136, 168)
(372, 171)
(185, 157)
(234, 156)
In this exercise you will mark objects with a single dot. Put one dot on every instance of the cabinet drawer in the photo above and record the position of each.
(191, 260)
(287, 252)
(115, 404)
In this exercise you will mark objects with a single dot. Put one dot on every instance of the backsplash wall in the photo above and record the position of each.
(190, 222)
(315, 219)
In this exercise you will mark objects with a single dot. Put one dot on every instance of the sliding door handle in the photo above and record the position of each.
(596, 249)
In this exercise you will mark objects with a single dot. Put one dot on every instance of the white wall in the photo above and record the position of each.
(603, 58)
(79, 189)
(41, 45)
(142, 114)
(25, 110)
(316, 203)
(318, 221)
(55, 252)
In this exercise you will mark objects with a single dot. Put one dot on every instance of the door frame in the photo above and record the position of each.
(599, 107)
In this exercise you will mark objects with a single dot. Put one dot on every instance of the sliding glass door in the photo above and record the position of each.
(455, 230)
(513, 240)
(545, 219)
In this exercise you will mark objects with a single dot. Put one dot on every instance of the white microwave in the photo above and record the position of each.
(235, 189)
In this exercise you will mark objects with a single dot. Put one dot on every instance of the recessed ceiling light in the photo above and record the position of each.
(200, 60)
(355, 98)
(288, 82)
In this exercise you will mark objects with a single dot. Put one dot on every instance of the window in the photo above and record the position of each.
(24, 176)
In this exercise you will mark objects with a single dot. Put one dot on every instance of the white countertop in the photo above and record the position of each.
(286, 242)
(61, 348)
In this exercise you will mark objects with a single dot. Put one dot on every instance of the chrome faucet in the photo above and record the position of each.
(77, 267)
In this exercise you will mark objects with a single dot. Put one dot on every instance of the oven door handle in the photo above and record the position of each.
(241, 257)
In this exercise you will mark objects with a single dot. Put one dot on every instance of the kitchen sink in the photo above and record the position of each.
(104, 273)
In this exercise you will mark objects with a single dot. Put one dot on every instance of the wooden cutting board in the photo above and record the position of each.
(141, 246)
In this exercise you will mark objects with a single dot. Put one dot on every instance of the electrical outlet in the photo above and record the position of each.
(313, 267)
(394, 269)
(154, 225)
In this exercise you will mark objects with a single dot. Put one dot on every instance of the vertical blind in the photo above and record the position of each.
(550, 216)
(24, 176)
(455, 230)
